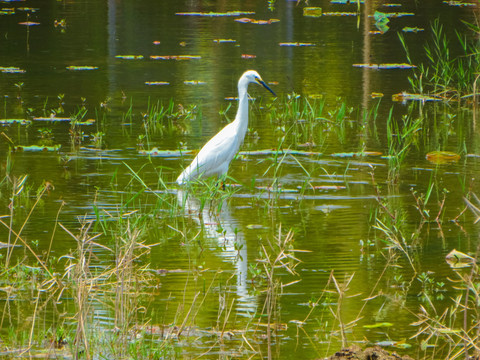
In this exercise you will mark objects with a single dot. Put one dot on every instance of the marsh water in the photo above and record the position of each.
(99, 61)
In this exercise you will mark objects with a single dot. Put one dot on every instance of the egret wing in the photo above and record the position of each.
(216, 154)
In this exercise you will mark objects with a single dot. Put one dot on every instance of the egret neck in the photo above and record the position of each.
(242, 112)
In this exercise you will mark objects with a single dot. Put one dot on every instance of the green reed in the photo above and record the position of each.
(450, 70)
(402, 136)
(168, 119)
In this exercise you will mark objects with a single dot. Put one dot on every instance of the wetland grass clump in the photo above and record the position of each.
(390, 220)
(306, 122)
(210, 193)
(276, 256)
(453, 333)
(123, 287)
(451, 71)
(304, 128)
(81, 283)
(78, 280)
(401, 137)
(296, 119)
(168, 119)
(400, 231)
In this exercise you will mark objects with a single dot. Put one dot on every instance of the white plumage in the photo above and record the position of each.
(215, 156)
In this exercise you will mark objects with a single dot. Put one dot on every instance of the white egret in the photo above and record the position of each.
(215, 156)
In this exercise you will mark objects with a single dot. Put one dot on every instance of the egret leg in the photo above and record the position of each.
(221, 182)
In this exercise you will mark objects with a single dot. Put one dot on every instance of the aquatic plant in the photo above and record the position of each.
(278, 255)
(97, 139)
(431, 290)
(452, 333)
(168, 119)
(401, 137)
(76, 133)
(445, 73)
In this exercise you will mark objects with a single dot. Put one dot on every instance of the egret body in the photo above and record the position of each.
(215, 156)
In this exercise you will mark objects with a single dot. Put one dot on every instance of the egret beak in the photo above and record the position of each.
(261, 82)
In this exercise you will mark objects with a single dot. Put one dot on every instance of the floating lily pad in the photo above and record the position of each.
(458, 3)
(37, 148)
(15, 121)
(312, 11)
(214, 14)
(390, 15)
(357, 154)
(396, 66)
(129, 57)
(255, 226)
(164, 153)
(412, 29)
(295, 44)
(457, 259)
(269, 152)
(157, 83)
(52, 119)
(194, 82)
(329, 187)
(29, 9)
(377, 325)
(175, 57)
(7, 11)
(29, 23)
(381, 21)
(382, 27)
(404, 97)
(11, 70)
(86, 122)
(398, 344)
(258, 22)
(401, 14)
(345, 2)
(221, 41)
(385, 66)
(277, 189)
(442, 157)
(81, 68)
(379, 16)
(338, 13)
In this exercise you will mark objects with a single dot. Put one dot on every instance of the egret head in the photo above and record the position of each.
(251, 76)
